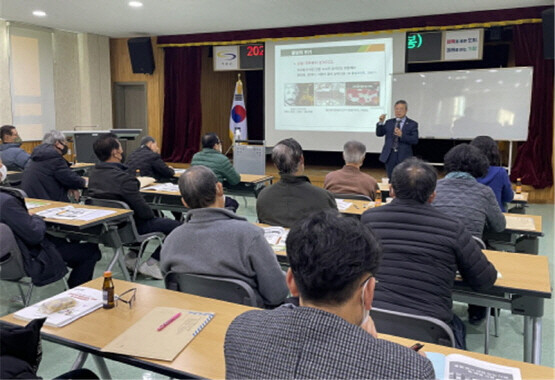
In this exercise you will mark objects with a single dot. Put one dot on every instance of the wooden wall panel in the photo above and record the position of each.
(122, 72)
(217, 89)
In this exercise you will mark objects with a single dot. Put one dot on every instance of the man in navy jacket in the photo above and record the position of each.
(49, 175)
(401, 133)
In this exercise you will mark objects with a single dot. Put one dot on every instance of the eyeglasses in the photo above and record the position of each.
(130, 297)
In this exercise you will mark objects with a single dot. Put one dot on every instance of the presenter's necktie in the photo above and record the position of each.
(395, 137)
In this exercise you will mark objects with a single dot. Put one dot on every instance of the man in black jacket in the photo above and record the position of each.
(42, 260)
(146, 159)
(423, 249)
(110, 179)
(49, 175)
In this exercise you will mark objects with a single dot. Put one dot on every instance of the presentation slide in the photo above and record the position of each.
(336, 88)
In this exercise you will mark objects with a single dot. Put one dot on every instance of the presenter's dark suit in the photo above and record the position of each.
(410, 137)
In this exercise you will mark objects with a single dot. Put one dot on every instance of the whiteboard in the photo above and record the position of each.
(464, 104)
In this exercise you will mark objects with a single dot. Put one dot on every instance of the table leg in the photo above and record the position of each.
(537, 340)
(113, 241)
(80, 361)
(102, 368)
(528, 337)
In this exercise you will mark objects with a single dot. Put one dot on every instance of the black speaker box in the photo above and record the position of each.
(547, 23)
(140, 53)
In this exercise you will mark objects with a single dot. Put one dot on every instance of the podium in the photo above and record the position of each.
(249, 156)
(83, 141)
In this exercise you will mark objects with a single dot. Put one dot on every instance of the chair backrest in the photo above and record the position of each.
(11, 260)
(480, 242)
(221, 288)
(14, 191)
(14, 179)
(359, 197)
(127, 231)
(418, 327)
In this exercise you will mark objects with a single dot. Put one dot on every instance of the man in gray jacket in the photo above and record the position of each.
(216, 242)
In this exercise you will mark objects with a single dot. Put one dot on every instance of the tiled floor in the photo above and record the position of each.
(58, 359)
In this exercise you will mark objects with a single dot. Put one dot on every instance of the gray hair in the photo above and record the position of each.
(198, 186)
(52, 137)
(354, 152)
(287, 156)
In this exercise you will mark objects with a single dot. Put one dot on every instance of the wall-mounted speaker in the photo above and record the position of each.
(547, 23)
(140, 53)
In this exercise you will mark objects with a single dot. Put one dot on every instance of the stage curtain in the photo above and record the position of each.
(182, 108)
(533, 159)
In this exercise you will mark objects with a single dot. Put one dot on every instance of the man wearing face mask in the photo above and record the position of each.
(15, 158)
(110, 179)
(330, 334)
(49, 175)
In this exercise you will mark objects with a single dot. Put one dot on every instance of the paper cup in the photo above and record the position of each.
(385, 180)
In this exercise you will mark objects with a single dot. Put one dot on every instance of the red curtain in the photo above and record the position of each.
(182, 108)
(533, 159)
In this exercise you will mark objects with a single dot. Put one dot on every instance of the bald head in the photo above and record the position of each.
(414, 179)
(287, 156)
(198, 187)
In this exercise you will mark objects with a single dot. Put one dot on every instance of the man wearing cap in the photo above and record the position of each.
(147, 160)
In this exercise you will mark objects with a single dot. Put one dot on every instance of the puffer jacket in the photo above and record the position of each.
(49, 175)
(218, 163)
(422, 250)
(149, 164)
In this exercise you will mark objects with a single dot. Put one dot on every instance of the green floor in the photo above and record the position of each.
(58, 359)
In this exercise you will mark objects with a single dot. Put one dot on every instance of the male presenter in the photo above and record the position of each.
(401, 133)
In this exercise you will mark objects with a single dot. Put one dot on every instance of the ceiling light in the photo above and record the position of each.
(135, 4)
(39, 13)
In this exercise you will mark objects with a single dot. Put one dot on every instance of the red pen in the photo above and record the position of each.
(165, 324)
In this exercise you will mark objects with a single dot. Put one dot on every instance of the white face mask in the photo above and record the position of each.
(365, 313)
(3, 173)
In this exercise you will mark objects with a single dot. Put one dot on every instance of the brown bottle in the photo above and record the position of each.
(378, 199)
(518, 187)
(108, 291)
(137, 173)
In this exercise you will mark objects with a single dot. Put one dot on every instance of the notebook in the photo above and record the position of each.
(145, 339)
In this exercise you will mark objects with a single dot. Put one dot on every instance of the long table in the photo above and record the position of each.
(171, 200)
(204, 356)
(100, 230)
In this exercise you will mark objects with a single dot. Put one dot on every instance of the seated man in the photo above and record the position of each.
(349, 179)
(330, 335)
(147, 160)
(49, 175)
(293, 197)
(14, 157)
(423, 249)
(211, 156)
(41, 253)
(111, 180)
(216, 242)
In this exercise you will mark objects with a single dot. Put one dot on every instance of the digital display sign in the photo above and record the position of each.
(424, 47)
(251, 57)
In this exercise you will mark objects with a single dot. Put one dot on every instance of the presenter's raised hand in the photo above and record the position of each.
(382, 118)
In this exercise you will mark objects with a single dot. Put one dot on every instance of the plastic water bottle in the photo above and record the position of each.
(237, 134)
